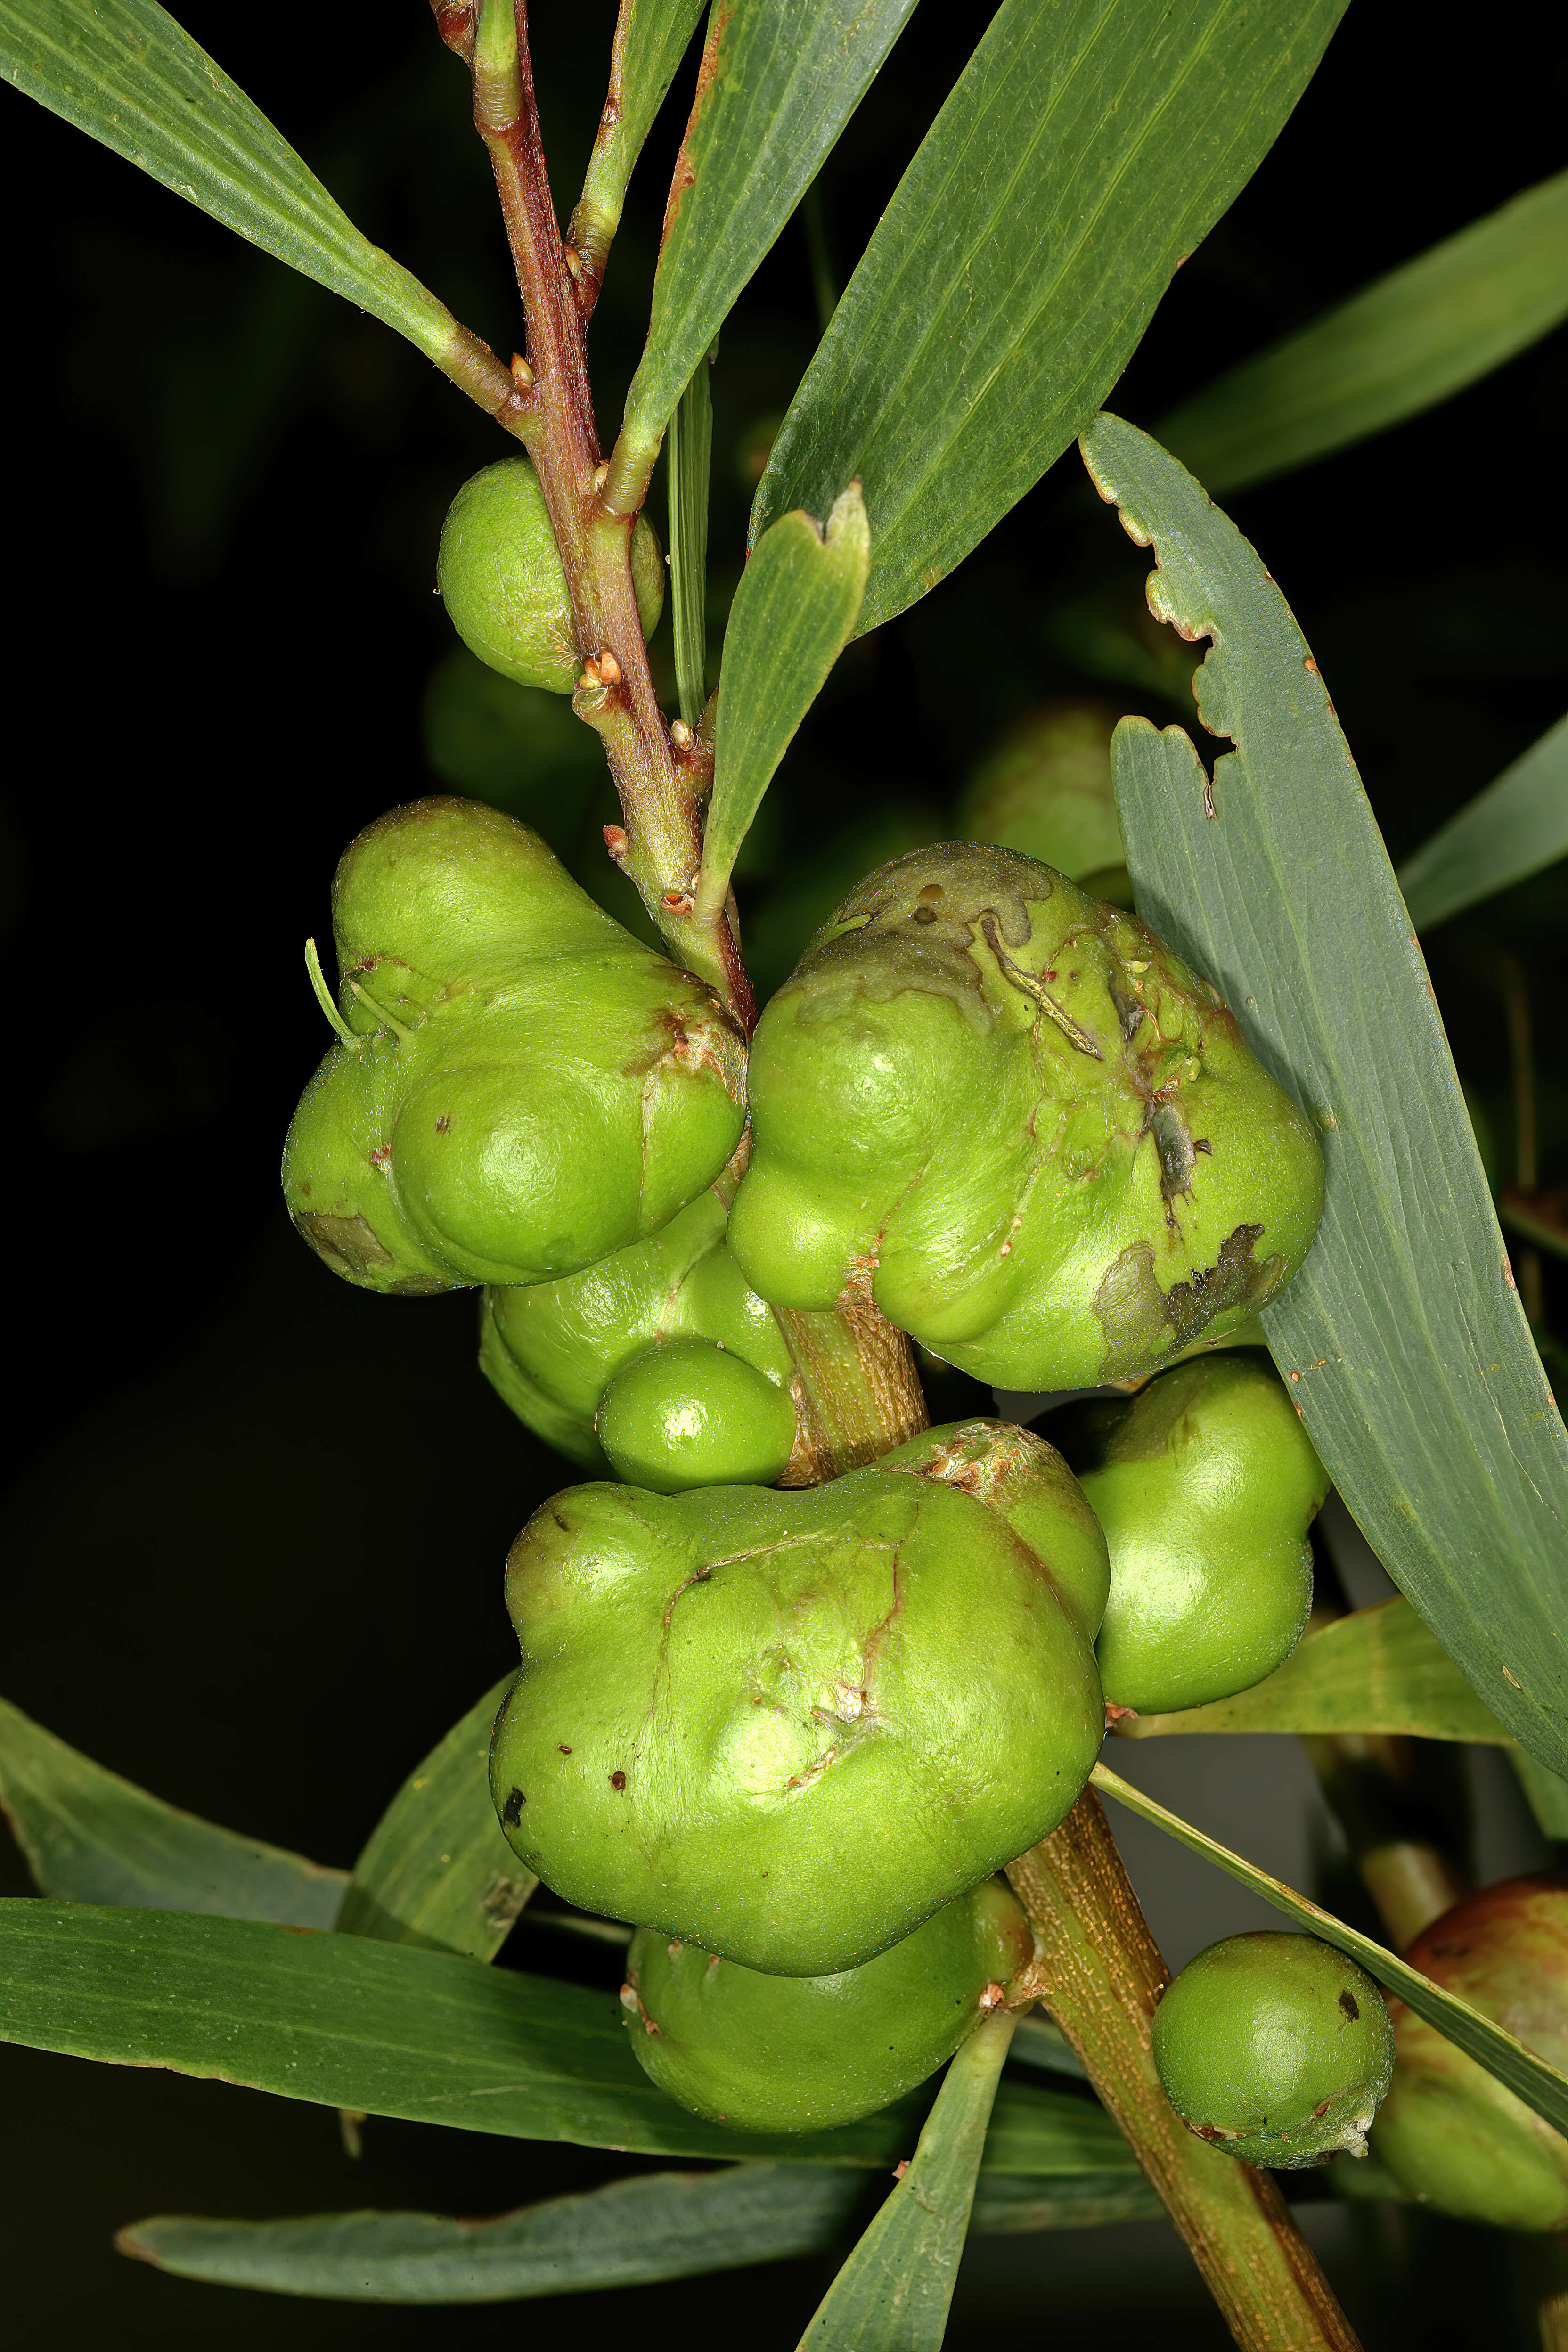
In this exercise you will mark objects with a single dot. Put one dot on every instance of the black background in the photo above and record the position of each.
(255, 1520)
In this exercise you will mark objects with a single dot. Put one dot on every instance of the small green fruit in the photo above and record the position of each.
(554, 1349)
(1205, 1486)
(1277, 2047)
(500, 575)
(788, 1726)
(805, 2053)
(1046, 790)
(1451, 2134)
(524, 1088)
(1040, 1139)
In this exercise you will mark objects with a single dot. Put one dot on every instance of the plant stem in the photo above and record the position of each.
(661, 784)
(859, 1393)
(1100, 1973)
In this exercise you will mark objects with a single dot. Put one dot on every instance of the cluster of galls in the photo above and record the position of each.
(791, 1732)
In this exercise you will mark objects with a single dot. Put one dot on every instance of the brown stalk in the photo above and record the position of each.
(1100, 1973)
(659, 843)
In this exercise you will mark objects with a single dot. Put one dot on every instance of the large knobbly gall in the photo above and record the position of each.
(526, 1087)
(1035, 1136)
(500, 577)
(1451, 2134)
(662, 1352)
(1205, 1486)
(1276, 2048)
(805, 2053)
(788, 1726)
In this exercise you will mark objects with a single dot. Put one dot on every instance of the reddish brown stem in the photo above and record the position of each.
(660, 842)
(1100, 1973)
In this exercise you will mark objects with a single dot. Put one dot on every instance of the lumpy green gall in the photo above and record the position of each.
(1038, 1139)
(789, 1726)
(805, 2053)
(524, 1088)
(557, 1351)
(1276, 2048)
(500, 577)
(1206, 1485)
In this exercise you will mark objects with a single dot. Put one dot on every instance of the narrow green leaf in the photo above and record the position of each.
(1514, 828)
(793, 615)
(1401, 345)
(436, 1870)
(1401, 1337)
(1005, 2205)
(389, 2029)
(651, 38)
(666, 2225)
(90, 1837)
(894, 2292)
(689, 461)
(1529, 2077)
(1380, 1670)
(777, 85)
(1083, 154)
(125, 72)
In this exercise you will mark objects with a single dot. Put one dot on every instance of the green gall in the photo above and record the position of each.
(553, 1349)
(1035, 1134)
(1030, 1486)
(1276, 2048)
(687, 1413)
(500, 576)
(787, 1726)
(1452, 2135)
(520, 1088)
(1205, 1486)
(805, 2053)
(1046, 790)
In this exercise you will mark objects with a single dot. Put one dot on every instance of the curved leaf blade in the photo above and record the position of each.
(1403, 1337)
(90, 1837)
(437, 1869)
(126, 73)
(1529, 2077)
(1406, 342)
(1083, 154)
(776, 87)
(1509, 831)
(793, 615)
(666, 2225)
(1006, 2207)
(651, 38)
(894, 2293)
(1380, 1670)
(389, 2029)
